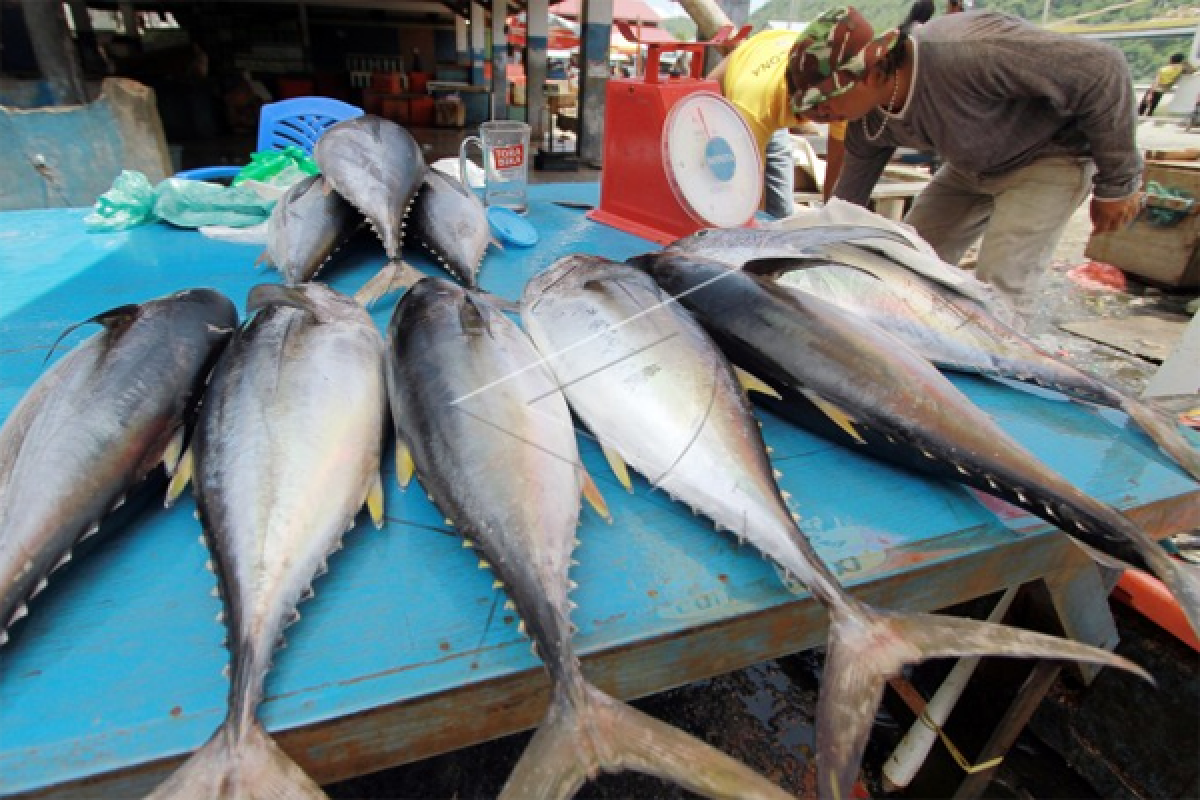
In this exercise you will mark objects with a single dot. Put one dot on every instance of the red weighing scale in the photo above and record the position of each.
(678, 156)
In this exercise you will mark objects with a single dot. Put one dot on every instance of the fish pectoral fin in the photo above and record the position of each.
(503, 304)
(617, 464)
(600, 733)
(180, 479)
(395, 276)
(374, 501)
(174, 450)
(835, 413)
(404, 464)
(496, 243)
(112, 319)
(752, 383)
(263, 261)
(592, 493)
(475, 316)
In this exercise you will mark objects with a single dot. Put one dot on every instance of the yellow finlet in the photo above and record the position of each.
(375, 501)
(753, 384)
(404, 464)
(617, 465)
(839, 417)
(181, 478)
(594, 498)
(174, 451)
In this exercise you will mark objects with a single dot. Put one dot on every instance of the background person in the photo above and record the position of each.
(753, 79)
(1027, 123)
(1164, 81)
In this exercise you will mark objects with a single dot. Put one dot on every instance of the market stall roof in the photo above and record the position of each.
(631, 10)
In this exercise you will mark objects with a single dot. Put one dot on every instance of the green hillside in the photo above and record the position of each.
(1144, 55)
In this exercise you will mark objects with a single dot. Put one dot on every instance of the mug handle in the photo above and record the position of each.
(462, 158)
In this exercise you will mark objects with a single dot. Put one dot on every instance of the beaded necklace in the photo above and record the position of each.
(886, 117)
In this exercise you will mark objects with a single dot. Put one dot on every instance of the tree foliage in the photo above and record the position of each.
(1145, 55)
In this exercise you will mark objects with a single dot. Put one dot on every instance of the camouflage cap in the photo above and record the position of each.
(832, 55)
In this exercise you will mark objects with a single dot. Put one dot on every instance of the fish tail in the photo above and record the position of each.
(580, 738)
(867, 646)
(1161, 426)
(395, 276)
(251, 765)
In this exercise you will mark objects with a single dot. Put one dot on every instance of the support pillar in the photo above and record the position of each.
(462, 46)
(595, 33)
(499, 60)
(537, 30)
(478, 40)
(55, 51)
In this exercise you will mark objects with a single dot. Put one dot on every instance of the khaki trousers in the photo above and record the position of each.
(1020, 215)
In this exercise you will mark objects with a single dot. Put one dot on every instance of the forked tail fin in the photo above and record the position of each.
(1161, 426)
(867, 648)
(394, 277)
(250, 768)
(576, 741)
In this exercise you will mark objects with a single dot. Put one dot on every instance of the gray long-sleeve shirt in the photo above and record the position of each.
(992, 93)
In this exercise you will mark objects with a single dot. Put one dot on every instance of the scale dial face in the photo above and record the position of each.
(712, 161)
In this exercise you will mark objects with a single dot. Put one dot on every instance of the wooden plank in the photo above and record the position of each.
(1151, 335)
(1028, 699)
(387, 736)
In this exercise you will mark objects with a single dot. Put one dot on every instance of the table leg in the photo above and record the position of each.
(1080, 600)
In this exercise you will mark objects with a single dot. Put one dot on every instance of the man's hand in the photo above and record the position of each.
(1113, 215)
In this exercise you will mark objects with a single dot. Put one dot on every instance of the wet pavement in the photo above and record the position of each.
(1123, 739)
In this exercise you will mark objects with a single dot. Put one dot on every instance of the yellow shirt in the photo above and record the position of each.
(755, 82)
(1167, 76)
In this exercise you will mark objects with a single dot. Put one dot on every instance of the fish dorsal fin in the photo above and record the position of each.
(374, 501)
(113, 319)
(617, 464)
(835, 413)
(752, 383)
(274, 294)
(179, 481)
(404, 464)
(592, 493)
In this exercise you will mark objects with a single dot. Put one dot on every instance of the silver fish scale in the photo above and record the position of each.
(452, 224)
(649, 384)
(306, 227)
(286, 449)
(377, 166)
(83, 436)
(495, 448)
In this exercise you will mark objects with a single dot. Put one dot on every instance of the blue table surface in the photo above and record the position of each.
(120, 661)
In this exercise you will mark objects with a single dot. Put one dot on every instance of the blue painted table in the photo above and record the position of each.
(406, 652)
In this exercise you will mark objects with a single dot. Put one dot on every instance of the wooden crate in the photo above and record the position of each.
(1162, 256)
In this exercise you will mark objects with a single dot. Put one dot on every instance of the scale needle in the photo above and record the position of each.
(703, 124)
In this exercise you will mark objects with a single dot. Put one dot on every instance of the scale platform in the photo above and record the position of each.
(678, 157)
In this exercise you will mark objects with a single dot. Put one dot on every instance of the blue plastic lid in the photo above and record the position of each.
(510, 227)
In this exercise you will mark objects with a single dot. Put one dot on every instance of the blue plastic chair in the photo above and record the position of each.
(295, 122)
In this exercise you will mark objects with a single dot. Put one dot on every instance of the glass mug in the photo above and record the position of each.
(505, 148)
